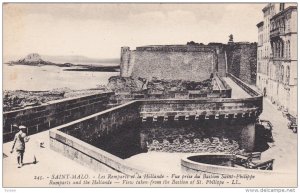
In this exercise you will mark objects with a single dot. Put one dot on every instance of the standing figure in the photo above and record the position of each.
(19, 144)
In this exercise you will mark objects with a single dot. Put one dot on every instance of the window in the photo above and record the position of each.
(288, 74)
(265, 52)
(281, 73)
(271, 71)
(286, 50)
(282, 49)
(273, 49)
(289, 49)
(277, 48)
(288, 28)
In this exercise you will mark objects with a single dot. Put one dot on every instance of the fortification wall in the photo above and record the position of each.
(196, 66)
(188, 62)
(242, 61)
(124, 61)
(53, 113)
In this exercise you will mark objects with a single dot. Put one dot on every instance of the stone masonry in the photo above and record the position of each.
(193, 62)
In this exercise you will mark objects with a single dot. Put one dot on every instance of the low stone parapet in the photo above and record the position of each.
(88, 155)
(53, 113)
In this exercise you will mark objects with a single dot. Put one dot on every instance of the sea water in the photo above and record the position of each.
(35, 78)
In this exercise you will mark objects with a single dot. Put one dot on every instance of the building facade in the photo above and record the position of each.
(277, 55)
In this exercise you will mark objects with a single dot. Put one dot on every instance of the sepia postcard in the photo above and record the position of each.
(150, 95)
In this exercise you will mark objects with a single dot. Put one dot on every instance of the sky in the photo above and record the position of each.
(99, 30)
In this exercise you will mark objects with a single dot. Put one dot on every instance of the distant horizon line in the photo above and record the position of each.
(65, 58)
(54, 55)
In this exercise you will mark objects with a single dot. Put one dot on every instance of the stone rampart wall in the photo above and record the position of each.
(242, 61)
(196, 66)
(194, 63)
(53, 113)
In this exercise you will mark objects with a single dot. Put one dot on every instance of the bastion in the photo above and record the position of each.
(116, 135)
(193, 61)
(98, 131)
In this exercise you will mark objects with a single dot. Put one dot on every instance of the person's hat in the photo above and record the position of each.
(22, 127)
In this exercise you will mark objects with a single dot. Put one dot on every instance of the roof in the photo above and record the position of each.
(284, 11)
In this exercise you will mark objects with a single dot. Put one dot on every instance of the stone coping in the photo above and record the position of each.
(94, 115)
(57, 102)
(95, 153)
(217, 100)
(244, 86)
(226, 86)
